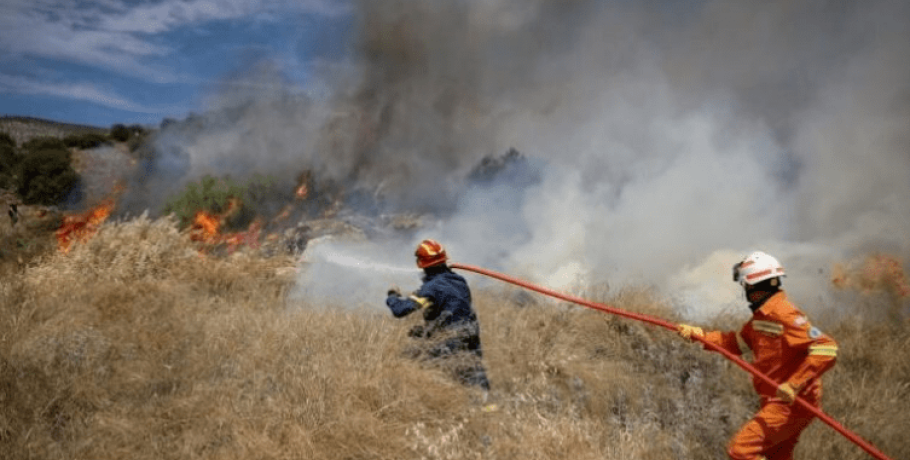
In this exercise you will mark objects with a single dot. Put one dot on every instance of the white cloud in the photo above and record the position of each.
(78, 91)
(114, 35)
(170, 14)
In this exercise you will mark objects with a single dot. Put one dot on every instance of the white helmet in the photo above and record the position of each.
(757, 267)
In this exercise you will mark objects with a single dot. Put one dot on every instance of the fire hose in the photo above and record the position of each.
(869, 448)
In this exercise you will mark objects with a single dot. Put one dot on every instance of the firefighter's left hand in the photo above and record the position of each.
(690, 332)
(394, 291)
(787, 392)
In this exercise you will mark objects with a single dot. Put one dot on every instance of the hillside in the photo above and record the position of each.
(22, 129)
(143, 342)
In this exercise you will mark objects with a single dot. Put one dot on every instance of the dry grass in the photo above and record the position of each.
(133, 346)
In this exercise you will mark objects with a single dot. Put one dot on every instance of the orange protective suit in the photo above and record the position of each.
(787, 348)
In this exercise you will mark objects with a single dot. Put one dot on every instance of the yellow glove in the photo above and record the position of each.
(787, 392)
(689, 332)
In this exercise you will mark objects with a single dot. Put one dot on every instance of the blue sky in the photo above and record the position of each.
(102, 62)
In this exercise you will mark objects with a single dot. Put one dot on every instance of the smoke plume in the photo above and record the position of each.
(671, 138)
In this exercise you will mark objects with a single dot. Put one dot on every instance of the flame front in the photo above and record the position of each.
(81, 227)
(301, 192)
(879, 272)
(205, 227)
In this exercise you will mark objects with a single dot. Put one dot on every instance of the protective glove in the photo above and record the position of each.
(394, 291)
(689, 332)
(787, 392)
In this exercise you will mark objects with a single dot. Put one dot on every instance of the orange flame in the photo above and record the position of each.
(301, 192)
(303, 188)
(205, 227)
(249, 238)
(879, 272)
(81, 227)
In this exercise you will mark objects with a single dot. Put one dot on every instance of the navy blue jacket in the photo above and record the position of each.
(445, 299)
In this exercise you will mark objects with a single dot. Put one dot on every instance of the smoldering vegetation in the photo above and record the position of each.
(666, 135)
(134, 345)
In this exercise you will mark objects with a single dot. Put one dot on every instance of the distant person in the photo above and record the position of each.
(13, 213)
(450, 332)
(787, 348)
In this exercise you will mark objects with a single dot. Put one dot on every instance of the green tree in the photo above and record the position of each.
(9, 163)
(45, 143)
(120, 133)
(85, 140)
(46, 177)
(6, 139)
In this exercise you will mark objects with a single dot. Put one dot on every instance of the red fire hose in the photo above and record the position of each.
(667, 325)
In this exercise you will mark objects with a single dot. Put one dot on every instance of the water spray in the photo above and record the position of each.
(869, 448)
(324, 267)
(350, 261)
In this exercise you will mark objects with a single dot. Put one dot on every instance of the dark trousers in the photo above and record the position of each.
(461, 356)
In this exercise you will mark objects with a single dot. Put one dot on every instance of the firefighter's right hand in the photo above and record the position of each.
(394, 291)
(690, 332)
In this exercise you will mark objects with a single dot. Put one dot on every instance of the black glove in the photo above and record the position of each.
(393, 291)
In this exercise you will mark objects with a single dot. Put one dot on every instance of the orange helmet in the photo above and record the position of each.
(429, 253)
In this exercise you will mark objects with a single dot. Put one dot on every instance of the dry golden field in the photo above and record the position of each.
(133, 346)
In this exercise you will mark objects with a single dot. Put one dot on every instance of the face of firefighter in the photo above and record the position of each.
(758, 292)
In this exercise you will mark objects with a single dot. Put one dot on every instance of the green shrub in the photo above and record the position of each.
(9, 163)
(46, 177)
(85, 141)
(9, 159)
(213, 195)
(6, 139)
(120, 133)
(45, 143)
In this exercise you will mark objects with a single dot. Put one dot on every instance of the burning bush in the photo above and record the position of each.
(221, 196)
(222, 212)
(81, 227)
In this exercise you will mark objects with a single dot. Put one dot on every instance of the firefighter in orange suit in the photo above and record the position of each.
(787, 348)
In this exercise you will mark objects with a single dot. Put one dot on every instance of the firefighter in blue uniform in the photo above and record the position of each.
(450, 330)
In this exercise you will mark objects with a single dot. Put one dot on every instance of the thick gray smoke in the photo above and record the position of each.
(674, 137)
